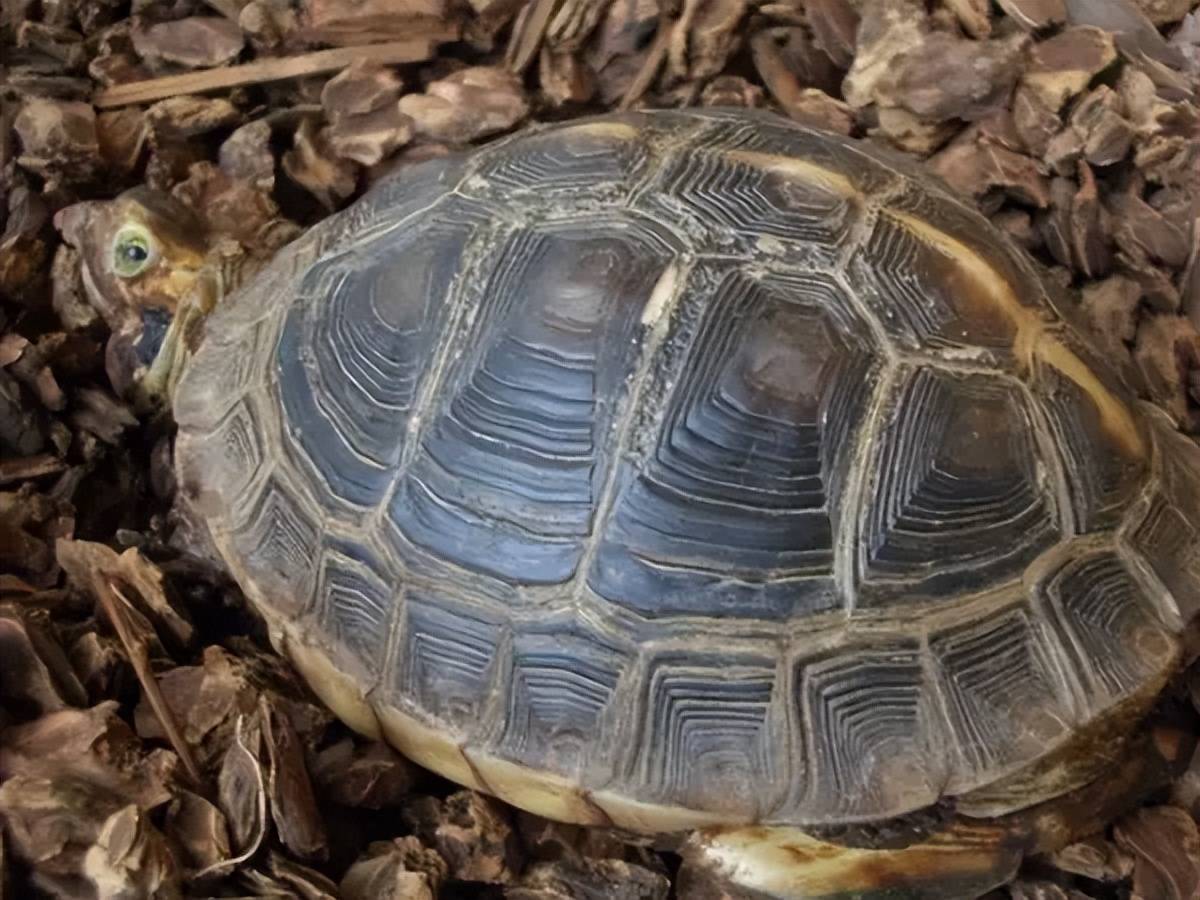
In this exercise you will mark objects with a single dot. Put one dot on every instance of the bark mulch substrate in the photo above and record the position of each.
(150, 744)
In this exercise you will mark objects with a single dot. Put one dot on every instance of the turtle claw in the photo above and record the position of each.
(964, 861)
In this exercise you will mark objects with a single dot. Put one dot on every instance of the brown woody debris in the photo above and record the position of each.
(102, 667)
(29, 525)
(289, 791)
(1165, 845)
(194, 42)
(946, 77)
(1111, 307)
(35, 675)
(402, 869)
(58, 139)
(731, 90)
(180, 118)
(235, 208)
(589, 879)
(1062, 66)
(565, 78)
(974, 165)
(467, 105)
(371, 776)
(1094, 858)
(122, 135)
(1043, 890)
(86, 563)
(1166, 354)
(972, 15)
(471, 832)
(340, 23)
(1035, 15)
(313, 164)
(705, 36)
(246, 156)
(200, 829)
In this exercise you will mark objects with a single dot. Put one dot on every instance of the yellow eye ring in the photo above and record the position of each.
(133, 252)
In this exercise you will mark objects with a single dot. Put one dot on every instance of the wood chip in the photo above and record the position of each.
(471, 832)
(194, 42)
(1062, 66)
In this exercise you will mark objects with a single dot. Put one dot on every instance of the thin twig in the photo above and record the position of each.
(527, 38)
(300, 66)
(649, 70)
(114, 604)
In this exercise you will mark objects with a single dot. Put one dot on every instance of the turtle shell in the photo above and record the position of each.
(677, 468)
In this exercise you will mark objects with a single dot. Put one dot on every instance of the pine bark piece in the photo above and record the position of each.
(35, 675)
(402, 869)
(1062, 66)
(471, 832)
(467, 105)
(313, 164)
(371, 776)
(589, 879)
(194, 42)
(1166, 353)
(1111, 306)
(58, 139)
(290, 796)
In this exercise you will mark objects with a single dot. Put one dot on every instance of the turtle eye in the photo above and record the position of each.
(133, 251)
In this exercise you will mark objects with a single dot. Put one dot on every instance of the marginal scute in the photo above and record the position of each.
(562, 713)
(278, 539)
(448, 661)
(710, 736)
(873, 744)
(1113, 638)
(236, 445)
(355, 601)
(1006, 702)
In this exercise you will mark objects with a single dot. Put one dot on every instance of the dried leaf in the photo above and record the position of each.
(293, 806)
(373, 776)
(200, 829)
(1165, 844)
(35, 675)
(130, 859)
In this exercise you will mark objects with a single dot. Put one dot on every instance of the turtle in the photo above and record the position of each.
(694, 473)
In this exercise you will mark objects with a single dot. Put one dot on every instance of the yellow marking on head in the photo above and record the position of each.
(1033, 340)
(798, 169)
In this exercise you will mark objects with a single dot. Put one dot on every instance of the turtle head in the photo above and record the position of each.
(150, 270)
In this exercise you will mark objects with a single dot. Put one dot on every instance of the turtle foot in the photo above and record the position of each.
(964, 861)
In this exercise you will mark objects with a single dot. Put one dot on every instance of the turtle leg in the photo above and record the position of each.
(963, 861)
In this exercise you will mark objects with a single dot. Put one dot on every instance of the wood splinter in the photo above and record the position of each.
(224, 77)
